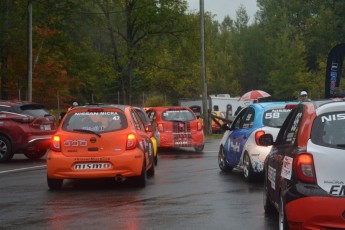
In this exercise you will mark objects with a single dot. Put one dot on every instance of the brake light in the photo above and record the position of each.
(95, 110)
(160, 127)
(304, 168)
(131, 141)
(290, 106)
(199, 126)
(56, 144)
(258, 134)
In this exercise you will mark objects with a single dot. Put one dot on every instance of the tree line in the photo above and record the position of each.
(145, 52)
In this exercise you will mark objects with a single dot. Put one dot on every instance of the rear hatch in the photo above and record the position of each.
(329, 168)
(99, 132)
(327, 145)
(182, 123)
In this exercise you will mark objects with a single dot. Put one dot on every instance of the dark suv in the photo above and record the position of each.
(24, 128)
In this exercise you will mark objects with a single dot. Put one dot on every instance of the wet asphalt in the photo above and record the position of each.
(188, 191)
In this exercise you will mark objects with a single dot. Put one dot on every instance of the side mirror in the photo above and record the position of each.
(225, 127)
(266, 140)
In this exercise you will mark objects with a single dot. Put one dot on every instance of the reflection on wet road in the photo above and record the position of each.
(188, 192)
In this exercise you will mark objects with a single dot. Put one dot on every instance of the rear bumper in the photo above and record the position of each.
(34, 143)
(316, 212)
(126, 164)
(181, 139)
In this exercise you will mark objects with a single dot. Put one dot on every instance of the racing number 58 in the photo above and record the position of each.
(271, 115)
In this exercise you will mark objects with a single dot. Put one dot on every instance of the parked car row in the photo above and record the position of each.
(96, 140)
(118, 141)
(300, 150)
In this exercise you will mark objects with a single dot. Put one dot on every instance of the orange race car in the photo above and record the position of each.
(177, 127)
(100, 141)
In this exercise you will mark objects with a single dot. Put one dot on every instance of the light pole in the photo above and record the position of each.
(29, 50)
(203, 68)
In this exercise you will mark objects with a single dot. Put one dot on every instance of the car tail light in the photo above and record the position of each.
(304, 168)
(199, 126)
(95, 110)
(258, 134)
(290, 106)
(56, 144)
(131, 141)
(160, 127)
(26, 119)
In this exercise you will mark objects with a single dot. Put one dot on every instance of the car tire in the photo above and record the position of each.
(222, 161)
(151, 171)
(54, 184)
(283, 224)
(247, 168)
(199, 148)
(268, 206)
(155, 159)
(35, 155)
(6, 153)
(141, 180)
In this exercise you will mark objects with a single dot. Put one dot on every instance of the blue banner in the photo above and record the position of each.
(334, 68)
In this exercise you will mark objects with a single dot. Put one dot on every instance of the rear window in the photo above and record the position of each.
(329, 130)
(275, 117)
(104, 121)
(33, 110)
(178, 115)
(143, 116)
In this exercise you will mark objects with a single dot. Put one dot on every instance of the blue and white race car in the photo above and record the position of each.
(239, 147)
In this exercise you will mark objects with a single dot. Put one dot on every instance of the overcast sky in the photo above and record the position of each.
(224, 7)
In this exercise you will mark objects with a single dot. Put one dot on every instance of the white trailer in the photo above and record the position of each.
(218, 102)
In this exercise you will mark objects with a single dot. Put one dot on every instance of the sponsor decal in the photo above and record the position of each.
(333, 182)
(291, 137)
(284, 110)
(337, 190)
(287, 167)
(333, 117)
(96, 113)
(75, 143)
(235, 146)
(92, 166)
(92, 159)
(272, 176)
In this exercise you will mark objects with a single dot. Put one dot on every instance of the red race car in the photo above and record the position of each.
(177, 127)
(304, 172)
